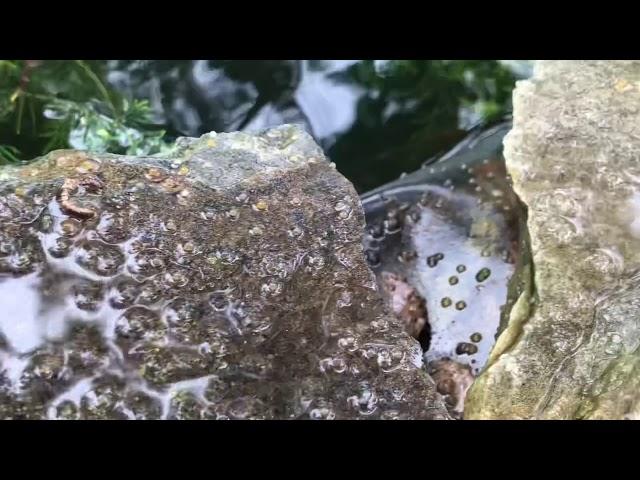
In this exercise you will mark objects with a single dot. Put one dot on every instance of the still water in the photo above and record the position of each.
(374, 118)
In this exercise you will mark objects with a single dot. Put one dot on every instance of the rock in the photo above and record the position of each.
(224, 280)
(570, 350)
(453, 381)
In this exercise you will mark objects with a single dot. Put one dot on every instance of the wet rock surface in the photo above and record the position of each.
(571, 348)
(226, 280)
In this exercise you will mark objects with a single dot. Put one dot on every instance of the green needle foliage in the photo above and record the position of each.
(50, 104)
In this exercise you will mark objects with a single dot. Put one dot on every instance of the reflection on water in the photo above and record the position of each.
(375, 119)
(19, 322)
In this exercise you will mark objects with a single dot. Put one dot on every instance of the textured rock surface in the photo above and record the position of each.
(227, 281)
(573, 156)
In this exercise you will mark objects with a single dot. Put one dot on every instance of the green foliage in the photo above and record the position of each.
(47, 105)
(8, 154)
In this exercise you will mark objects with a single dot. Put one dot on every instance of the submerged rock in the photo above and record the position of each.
(573, 155)
(226, 280)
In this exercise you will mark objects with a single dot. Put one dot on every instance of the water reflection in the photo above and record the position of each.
(374, 118)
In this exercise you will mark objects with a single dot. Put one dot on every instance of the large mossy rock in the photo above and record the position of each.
(224, 280)
(571, 348)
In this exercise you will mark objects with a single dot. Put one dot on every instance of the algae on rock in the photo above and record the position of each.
(573, 157)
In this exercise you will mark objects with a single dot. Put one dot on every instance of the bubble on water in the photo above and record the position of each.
(460, 268)
(112, 228)
(464, 348)
(461, 305)
(337, 365)
(434, 259)
(483, 274)
(476, 337)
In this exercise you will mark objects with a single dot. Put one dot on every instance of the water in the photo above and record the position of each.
(449, 231)
(374, 118)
